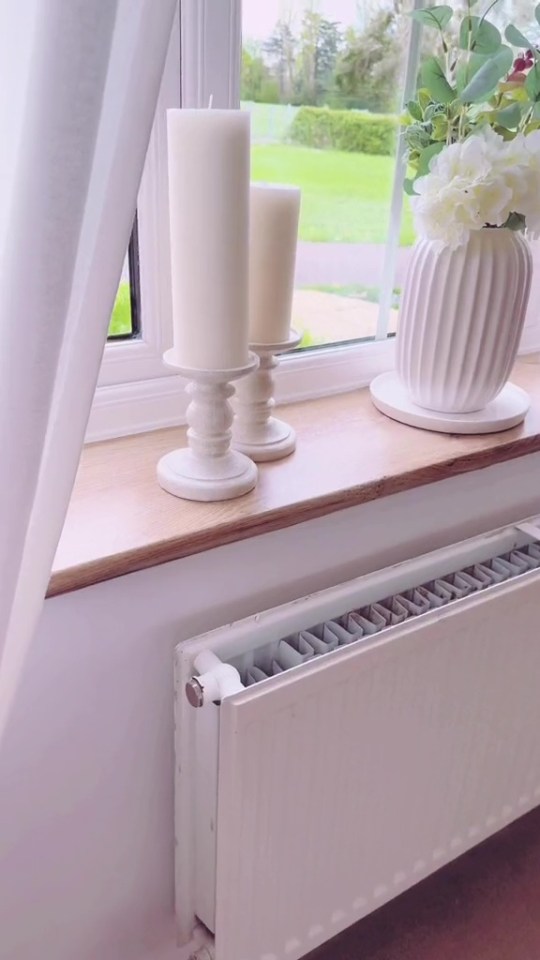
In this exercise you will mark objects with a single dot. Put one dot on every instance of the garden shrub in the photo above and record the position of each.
(344, 130)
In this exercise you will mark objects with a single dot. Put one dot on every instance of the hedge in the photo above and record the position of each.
(344, 130)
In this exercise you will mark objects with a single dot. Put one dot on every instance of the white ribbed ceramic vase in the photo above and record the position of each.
(461, 319)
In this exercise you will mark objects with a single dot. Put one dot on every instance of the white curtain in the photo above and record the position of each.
(79, 81)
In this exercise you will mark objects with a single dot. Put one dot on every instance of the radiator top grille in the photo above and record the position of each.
(290, 651)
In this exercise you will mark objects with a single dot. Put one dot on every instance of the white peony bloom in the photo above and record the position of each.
(466, 160)
(477, 183)
(444, 211)
(494, 201)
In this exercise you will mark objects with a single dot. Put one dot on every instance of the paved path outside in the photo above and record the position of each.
(329, 318)
(341, 264)
(338, 264)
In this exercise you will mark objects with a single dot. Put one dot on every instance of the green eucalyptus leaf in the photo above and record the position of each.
(504, 132)
(487, 77)
(440, 128)
(466, 71)
(426, 157)
(478, 35)
(433, 110)
(414, 109)
(434, 79)
(408, 186)
(416, 137)
(454, 109)
(532, 83)
(516, 221)
(437, 17)
(536, 111)
(537, 13)
(424, 98)
(509, 116)
(516, 37)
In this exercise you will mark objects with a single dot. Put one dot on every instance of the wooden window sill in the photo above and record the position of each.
(119, 520)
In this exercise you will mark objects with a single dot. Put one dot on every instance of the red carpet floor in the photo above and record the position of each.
(483, 906)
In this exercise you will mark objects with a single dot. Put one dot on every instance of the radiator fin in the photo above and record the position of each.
(276, 657)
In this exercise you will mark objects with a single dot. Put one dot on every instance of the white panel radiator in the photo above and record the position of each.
(352, 742)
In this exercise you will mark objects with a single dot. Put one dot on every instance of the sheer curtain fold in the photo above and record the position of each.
(84, 82)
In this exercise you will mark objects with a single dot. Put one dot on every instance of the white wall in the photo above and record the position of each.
(86, 767)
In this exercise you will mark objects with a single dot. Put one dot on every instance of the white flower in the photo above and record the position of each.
(443, 211)
(476, 183)
(468, 160)
(493, 199)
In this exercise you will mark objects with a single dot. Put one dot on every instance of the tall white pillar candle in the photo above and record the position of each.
(273, 234)
(209, 226)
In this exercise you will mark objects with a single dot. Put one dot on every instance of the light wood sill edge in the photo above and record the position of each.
(120, 521)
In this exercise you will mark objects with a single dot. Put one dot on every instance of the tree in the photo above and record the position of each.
(280, 50)
(367, 71)
(328, 50)
(257, 82)
(306, 80)
(320, 41)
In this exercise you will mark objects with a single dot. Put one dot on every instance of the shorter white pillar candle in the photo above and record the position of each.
(273, 234)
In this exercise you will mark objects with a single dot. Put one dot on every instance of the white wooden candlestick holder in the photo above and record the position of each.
(208, 469)
(255, 431)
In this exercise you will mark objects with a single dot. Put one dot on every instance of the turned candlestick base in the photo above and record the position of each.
(208, 469)
(255, 431)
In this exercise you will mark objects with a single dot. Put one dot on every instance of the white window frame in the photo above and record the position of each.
(136, 391)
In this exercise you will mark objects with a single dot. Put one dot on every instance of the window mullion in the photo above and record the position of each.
(210, 66)
(396, 204)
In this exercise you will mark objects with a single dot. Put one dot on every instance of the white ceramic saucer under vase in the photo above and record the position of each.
(506, 411)
(459, 329)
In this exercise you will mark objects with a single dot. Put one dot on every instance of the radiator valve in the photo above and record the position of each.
(215, 680)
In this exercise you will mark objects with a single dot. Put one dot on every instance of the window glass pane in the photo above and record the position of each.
(125, 319)
(323, 81)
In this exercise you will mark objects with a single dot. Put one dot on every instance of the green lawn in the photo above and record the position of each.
(121, 315)
(345, 196)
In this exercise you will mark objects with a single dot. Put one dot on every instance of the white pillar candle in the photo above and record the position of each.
(209, 226)
(273, 235)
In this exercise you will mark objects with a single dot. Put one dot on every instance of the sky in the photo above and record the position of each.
(259, 16)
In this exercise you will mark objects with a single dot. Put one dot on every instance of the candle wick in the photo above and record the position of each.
(210, 101)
